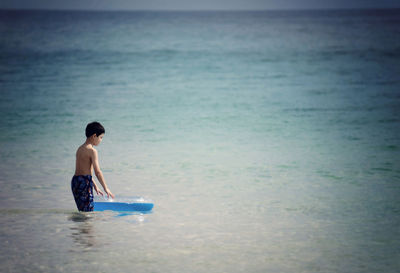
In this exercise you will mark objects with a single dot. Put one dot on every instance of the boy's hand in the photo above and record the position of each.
(99, 192)
(109, 193)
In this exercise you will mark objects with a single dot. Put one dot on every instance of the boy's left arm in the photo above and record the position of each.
(99, 174)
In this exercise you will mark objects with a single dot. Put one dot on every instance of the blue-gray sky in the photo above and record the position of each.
(196, 4)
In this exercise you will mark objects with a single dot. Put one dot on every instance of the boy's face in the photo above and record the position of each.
(97, 139)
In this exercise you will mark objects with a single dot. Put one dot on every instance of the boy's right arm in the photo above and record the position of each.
(99, 173)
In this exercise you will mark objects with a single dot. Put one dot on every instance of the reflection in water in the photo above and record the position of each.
(82, 231)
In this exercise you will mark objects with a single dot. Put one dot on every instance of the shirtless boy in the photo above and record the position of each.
(82, 183)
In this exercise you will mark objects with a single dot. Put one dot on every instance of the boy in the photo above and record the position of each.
(82, 183)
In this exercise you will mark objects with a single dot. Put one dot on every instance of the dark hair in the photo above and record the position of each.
(94, 128)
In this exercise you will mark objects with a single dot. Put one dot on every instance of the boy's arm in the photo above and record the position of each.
(99, 174)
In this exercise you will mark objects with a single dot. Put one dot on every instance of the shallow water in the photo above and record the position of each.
(269, 141)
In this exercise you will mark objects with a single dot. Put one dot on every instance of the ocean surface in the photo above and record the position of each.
(269, 141)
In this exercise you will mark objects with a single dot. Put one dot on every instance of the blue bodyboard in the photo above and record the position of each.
(138, 204)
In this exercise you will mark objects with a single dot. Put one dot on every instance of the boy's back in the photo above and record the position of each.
(84, 156)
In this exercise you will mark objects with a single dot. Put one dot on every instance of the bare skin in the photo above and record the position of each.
(87, 159)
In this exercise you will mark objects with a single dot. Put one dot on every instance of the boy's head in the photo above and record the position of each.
(94, 128)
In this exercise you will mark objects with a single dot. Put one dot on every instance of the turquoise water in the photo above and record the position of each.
(269, 141)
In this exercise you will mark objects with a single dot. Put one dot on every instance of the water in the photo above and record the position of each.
(269, 141)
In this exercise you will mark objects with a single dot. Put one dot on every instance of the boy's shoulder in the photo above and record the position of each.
(87, 149)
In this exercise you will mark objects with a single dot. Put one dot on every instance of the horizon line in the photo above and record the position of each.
(202, 10)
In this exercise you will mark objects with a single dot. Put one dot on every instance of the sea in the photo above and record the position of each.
(269, 141)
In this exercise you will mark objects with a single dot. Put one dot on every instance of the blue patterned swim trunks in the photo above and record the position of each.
(82, 189)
